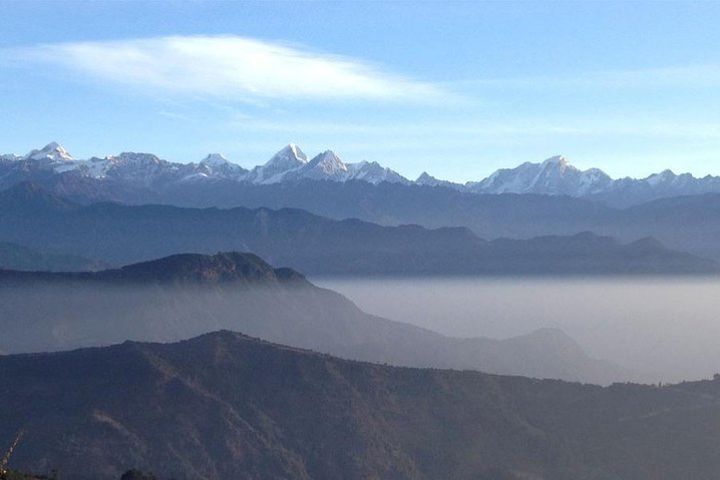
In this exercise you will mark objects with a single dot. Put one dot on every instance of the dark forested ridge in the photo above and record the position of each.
(225, 406)
(189, 269)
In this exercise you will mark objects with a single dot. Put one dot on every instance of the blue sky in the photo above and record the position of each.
(457, 89)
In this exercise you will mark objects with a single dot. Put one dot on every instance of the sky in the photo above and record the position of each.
(457, 89)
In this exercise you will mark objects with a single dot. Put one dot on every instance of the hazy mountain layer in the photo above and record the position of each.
(687, 223)
(224, 406)
(186, 295)
(313, 244)
(17, 257)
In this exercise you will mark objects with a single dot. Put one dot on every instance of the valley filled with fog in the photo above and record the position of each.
(647, 324)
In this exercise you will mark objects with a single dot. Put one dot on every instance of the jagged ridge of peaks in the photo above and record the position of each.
(554, 176)
(373, 172)
(427, 180)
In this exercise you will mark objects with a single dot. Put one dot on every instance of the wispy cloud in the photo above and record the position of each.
(228, 66)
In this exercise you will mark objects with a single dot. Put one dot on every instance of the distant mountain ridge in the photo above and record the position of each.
(316, 245)
(135, 176)
(224, 406)
(18, 257)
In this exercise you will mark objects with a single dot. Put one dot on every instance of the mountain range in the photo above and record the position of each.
(139, 177)
(225, 406)
(121, 234)
(688, 223)
(182, 296)
(147, 170)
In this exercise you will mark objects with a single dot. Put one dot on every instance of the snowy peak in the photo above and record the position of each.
(134, 168)
(296, 152)
(664, 177)
(427, 180)
(52, 152)
(554, 176)
(129, 159)
(214, 160)
(328, 162)
(327, 157)
(291, 165)
(217, 166)
(557, 166)
(324, 166)
(289, 157)
(557, 161)
(373, 172)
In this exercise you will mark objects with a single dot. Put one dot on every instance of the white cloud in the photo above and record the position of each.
(228, 66)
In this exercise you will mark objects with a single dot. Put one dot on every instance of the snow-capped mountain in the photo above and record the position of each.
(554, 176)
(133, 172)
(425, 179)
(216, 165)
(9, 157)
(288, 159)
(51, 153)
(630, 191)
(291, 164)
(53, 164)
(326, 166)
(288, 164)
(667, 179)
(136, 169)
(373, 172)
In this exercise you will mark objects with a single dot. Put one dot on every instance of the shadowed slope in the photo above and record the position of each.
(227, 406)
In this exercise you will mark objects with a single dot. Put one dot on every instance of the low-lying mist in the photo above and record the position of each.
(60, 316)
(667, 328)
(657, 329)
